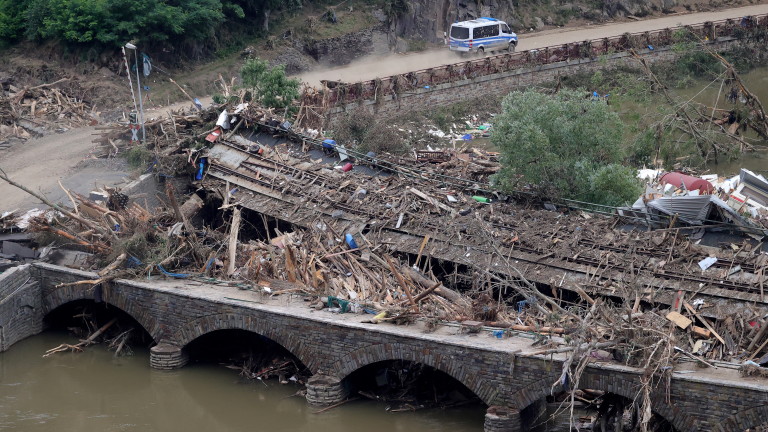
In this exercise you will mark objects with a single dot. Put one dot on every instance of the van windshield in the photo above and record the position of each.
(459, 32)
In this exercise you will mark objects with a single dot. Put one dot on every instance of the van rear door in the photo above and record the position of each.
(459, 38)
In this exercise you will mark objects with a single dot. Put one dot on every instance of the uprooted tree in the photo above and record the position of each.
(565, 146)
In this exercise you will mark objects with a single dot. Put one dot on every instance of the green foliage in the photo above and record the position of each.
(73, 20)
(269, 85)
(114, 22)
(396, 8)
(138, 156)
(359, 129)
(614, 185)
(561, 145)
(11, 20)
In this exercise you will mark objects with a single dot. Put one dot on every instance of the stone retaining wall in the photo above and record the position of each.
(502, 83)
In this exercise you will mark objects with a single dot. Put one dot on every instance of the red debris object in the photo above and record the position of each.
(691, 183)
(213, 136)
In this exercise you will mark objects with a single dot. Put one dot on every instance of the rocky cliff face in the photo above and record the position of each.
(428, 19)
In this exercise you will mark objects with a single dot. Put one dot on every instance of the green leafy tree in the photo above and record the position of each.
(140, 20)
(269, 85)
(564, 145)
(74, 20)
(11, 20)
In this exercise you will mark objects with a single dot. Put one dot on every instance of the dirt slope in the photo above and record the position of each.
(380, 66)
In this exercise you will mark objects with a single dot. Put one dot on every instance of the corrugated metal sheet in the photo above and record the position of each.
(691, 209)
(756, 186)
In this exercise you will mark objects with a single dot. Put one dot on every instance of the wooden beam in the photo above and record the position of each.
(233, 232)
(703, 321)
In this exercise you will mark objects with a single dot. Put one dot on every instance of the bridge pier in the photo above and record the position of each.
(325, 390)
(502, 419)
(167, 356)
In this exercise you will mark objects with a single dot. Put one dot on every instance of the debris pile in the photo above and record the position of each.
(351, 258)
(670, 197)
(31, 111)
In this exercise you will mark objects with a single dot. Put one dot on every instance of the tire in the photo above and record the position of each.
(481, 52)
(511, 47)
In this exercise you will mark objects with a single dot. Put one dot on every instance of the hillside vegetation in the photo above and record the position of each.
(196, 24)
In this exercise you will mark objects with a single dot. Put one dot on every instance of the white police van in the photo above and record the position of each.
(481, 35)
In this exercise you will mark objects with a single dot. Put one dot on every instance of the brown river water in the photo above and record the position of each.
(93, 391)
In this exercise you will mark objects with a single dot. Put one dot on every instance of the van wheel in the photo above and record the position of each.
(512, 47)
(481, 52)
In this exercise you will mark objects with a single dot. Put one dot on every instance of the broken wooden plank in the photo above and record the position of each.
(679, 319)
(704, 321)
(431, 200)
(701, 332)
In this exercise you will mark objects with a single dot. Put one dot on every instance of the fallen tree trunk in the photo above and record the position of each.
(446, 293)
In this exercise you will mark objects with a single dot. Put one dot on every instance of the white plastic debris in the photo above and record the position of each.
(648, 174)
(707, 262)
(23, 221)
(223, 120)
(240, 108)
(436, 132)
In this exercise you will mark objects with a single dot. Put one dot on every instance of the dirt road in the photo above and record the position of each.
(372, 67)
(39, 163)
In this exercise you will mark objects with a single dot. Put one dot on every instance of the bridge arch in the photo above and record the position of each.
(752, 418)
(456, 368)
(609, 383)
(67, 294)
(285, 337)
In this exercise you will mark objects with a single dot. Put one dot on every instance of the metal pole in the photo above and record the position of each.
(141, 103)
(130, 81)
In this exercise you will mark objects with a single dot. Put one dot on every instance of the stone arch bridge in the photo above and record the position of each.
(499, 371)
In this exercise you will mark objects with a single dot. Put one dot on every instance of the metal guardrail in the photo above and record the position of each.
(335, 94)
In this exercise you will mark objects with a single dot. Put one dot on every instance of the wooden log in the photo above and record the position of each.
(185, 93)
(759, 336)
(115, 264)
(233, 232)
(528, 328)
(402, 283)
(191, 206)
(441, 290)
(169, 191)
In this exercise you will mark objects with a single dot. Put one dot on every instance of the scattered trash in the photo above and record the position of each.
(707, 262)
(351, 241)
